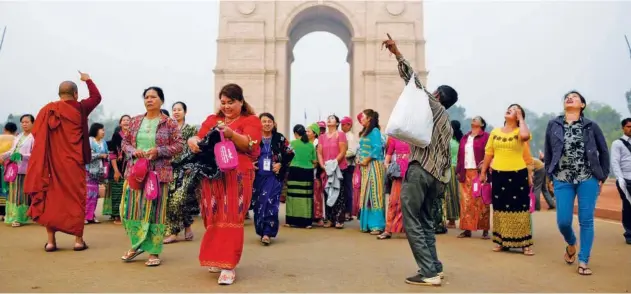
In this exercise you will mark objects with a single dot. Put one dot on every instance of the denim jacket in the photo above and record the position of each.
(596, 148)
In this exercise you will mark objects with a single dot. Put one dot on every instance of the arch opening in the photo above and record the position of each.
(319, 65)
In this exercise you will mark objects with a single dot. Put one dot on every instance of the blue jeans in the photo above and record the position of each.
(587, 192)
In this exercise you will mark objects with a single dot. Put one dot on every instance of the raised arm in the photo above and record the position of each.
(90, 103)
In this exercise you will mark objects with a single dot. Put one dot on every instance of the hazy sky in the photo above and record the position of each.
(494, 53)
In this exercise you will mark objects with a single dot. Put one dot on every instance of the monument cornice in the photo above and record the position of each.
(374, 73)
(376, 40)
(245, 71)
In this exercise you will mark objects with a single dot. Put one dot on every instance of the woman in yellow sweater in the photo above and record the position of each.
(511, 217)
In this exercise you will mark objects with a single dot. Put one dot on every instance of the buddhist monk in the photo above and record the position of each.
(56, 180)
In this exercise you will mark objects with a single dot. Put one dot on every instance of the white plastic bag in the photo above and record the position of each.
(412, 120)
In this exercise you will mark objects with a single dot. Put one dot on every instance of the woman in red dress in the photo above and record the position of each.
(226, 199)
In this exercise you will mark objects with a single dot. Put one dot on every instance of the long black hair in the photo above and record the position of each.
(302, 132)
(271, 117)
(455, 125)
(374, 122)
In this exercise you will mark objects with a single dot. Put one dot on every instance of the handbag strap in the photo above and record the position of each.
(626, 144)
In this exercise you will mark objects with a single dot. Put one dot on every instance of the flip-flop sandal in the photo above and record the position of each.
(308, 227)
(189, 237)
(214, 270)
(84, 247)
(464, 235)
(498, 249)
(169, 240)
(528, 251)
(584, 271)
(374, 233)
(339, 226)
(153, 262)
(266, 241)
(47, 249)
(226, 278)
(384, 236)
(486, 236)
(569, 258)
(16, 224)
(129, 256)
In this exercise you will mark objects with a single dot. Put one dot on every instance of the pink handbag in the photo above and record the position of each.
(476, 187)
(106, 169)
(357, 178)
(10, 172)
(486, 191)
(532, 200)
(226, 155)
(152, 186)
(138, 173)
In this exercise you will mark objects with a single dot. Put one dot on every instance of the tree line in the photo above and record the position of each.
(606, 116)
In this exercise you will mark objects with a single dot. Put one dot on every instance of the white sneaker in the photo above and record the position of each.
(227, 277)
(214, 270)
(423, 281)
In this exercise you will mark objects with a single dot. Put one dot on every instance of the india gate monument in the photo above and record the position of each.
(256, 40)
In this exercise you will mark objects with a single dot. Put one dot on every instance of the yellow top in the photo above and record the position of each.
(507, 150)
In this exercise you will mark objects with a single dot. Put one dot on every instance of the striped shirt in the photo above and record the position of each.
(436, 157)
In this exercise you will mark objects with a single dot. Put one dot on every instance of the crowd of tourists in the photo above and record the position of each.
(160, 172)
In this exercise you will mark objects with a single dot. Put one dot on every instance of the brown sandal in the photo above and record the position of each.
(584, 271)
(384, 236)
(465, 234)
(569, 258)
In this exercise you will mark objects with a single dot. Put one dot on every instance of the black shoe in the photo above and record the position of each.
(629, 241)
(419, 280)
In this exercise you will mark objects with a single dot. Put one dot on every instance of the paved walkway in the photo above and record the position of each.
(318, 260)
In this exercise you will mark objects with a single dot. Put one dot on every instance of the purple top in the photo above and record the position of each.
(331, 147)
(24, 148)
(479, 142)
(402, 151)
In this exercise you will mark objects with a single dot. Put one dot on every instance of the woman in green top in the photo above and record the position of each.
(299, 202)
(452, 196)
(156, 137)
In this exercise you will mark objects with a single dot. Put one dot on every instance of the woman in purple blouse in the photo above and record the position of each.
(474, 214)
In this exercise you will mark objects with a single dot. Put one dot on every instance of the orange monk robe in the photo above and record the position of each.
(55, 178)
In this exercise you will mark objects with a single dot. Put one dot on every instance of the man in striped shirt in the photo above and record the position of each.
(426, 178)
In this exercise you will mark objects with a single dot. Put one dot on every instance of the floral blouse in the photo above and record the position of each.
(573, 166)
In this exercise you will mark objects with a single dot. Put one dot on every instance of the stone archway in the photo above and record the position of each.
(256, 40)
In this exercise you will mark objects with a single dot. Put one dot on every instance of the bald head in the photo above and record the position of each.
(68, 90)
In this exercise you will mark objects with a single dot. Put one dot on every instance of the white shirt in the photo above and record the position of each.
(353, 145)
(469, 155)
(621, 163)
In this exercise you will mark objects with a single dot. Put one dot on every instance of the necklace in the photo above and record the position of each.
(229, 122)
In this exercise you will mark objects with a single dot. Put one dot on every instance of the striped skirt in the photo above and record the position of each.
(299, 201)
(452, 197)
(17, 202)
(394, 217)
(144, 220)
(372, 214)
(113, 196)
